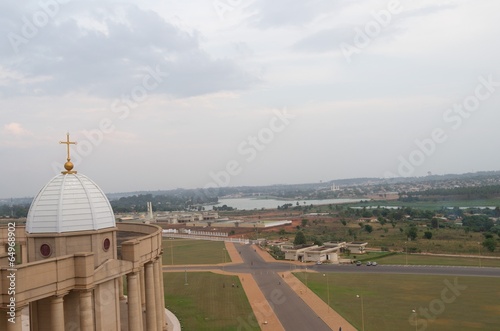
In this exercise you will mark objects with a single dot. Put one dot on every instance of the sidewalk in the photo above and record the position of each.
(326, 313)
(233, 252)
(262, 310)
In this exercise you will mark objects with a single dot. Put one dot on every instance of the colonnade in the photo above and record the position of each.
(146, 308)
(70, 293)
(145, 292)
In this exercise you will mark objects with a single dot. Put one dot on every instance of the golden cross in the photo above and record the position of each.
(67, 142)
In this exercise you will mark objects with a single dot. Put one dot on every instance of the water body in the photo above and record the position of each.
(251, 204)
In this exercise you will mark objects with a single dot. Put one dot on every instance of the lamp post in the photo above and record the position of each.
(172, 251)
(224, 253)
(307, 286)
(327, 290)
(362, 313)
(415, 312)
(479, 247)
(185, 277)
(406, 255)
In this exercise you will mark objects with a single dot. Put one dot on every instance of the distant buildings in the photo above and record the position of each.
(172, 217)
(177, 217)
(328, 252)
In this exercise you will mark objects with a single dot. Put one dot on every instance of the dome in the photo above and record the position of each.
(69, 202)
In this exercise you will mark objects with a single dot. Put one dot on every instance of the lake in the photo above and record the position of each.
(252, 203)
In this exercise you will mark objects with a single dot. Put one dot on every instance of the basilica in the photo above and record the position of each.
(71, 267)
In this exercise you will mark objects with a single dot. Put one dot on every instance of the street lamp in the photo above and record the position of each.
(362, 313)
(479, 246)
(172, 251)
(327, 291)
(415, 312)
(224, 253)
(406, 255)
(307, 286)
(185, 277)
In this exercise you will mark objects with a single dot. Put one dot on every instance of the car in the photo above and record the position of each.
(358, 263)
(368, 263)
(374, 263)
(319, 262)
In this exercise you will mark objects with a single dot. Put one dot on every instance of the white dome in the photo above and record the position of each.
(69, 202)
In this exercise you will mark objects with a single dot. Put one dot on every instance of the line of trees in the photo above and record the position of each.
(15, 211)
(179, 201)
(474, 192)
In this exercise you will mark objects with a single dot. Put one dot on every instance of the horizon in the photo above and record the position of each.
(402, 180)
(230, 93)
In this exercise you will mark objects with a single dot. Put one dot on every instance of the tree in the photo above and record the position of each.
(366, 214)
(317, 241)
(427, 235)
(304, 222)
(478, 223)
(300, 239)
(277, 253)
(490, 244)
(343, 221)
(412, 232)
(368, 228)
(496, 212)
(434, 223)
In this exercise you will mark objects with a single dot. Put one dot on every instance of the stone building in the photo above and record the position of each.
(72, 260)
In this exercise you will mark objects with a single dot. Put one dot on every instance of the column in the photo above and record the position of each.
(10, 326)
(24, 253)
(86, 311)
(150, 297)
(57, 313)
(134, 302)
(162, 286)
(160, 312)
(121, 296)
(143, 289)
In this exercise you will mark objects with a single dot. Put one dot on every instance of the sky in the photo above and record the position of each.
(209, 93)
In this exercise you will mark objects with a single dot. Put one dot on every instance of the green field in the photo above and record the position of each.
(412, 259)
(388, 300)
(430, 205)
(446, 241)
(209, 302)
(185, 251)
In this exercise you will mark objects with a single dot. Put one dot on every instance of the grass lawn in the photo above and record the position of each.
(435, 260)
(185, 251)
(205, 304)
(388, 301)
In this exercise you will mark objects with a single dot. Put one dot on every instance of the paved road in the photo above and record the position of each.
(293, 313)
(391, 269)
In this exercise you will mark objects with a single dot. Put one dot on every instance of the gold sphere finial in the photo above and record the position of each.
(68, 166)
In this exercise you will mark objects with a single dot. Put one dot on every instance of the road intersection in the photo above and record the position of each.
(291, 302)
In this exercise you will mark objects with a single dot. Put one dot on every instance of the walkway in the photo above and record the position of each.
(274, 293)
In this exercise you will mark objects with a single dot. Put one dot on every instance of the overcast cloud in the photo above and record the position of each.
(166, 94)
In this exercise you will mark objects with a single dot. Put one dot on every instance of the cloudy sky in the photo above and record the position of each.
(198, 93)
